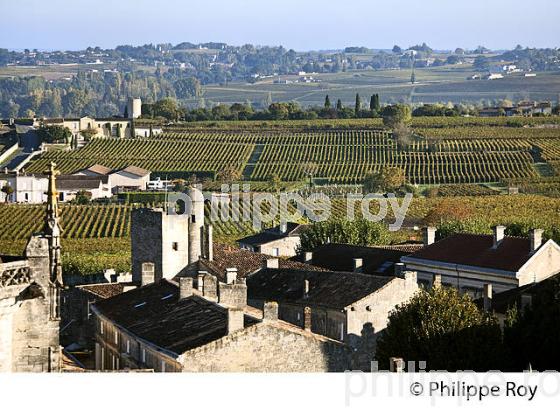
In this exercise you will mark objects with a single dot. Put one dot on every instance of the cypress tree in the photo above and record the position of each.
(372, 103)
(327, 102)
(377, 106)
(358, 105)
(339, 105)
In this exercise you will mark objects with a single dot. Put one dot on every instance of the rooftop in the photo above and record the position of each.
(273, 234)
(246, 262)
(376, 260)
(154, 313)
(330, 289)
(131, 169)
(477, 250)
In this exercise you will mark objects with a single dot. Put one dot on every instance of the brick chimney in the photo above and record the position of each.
(307, 318)
(308, 257)
(487, 297)
(148, 274)
(536, 239)
(271, 263)
(234, 320)
(231, 275)
(357, 265)
(499, 233)
(185, 288)
(429, 234)
(270, 311)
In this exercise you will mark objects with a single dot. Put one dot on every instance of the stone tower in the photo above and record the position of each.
(196, 225)
(160, 238)
(134, 108)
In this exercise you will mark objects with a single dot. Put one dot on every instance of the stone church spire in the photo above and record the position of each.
(52, 227)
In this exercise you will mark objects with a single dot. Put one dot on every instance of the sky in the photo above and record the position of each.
(297, 24)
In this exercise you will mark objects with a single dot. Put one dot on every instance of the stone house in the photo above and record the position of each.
(280, 241)
(469, 262)
(171, 327)
(128, 178)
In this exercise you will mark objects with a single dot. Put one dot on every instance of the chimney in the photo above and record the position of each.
(270, 311)
(411, 276)
(357, 267)
(148, 274)
(110, 275)
(306, 288)
(231, 275)
(283, 227)
(233, 294)
(271, 263)
(487, 297)
(499, 232)
(399, 269)
(235, 320)
(436, 281)
(210, 242)
(307, 318)
(185, 288)
(200, 281)
(429, 235)
(536, 239)
(210, 286)
(308, 257)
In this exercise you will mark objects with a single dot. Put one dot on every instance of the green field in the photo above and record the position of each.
(434, 84)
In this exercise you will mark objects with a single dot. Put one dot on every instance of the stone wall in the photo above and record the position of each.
(287, 247)
(268, 347)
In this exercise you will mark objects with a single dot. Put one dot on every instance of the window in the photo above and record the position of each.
(128, 346)
(175, 246)
(275, 252)
(143, 355)
(342, 331)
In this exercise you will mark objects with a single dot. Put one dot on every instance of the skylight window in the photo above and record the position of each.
(167, 297)
(140, 305)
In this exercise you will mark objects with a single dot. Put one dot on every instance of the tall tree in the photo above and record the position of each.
(339, 106)
(327, 102)
(358, 105)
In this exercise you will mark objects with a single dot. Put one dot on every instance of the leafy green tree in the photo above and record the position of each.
(327, 102)
(358, 232)
(394, 115)
(444, 329)
(88, 134)
(397, 49)
(188, 88)
(55, 134)
(389, 179)
(278, 111)
(7, 190)
(82, 198)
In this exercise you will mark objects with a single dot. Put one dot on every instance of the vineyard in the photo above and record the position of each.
(434, 155)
